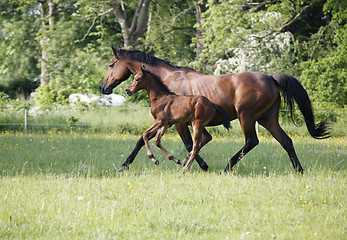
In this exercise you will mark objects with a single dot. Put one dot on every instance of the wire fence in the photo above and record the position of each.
(28, 115)
(23, 117)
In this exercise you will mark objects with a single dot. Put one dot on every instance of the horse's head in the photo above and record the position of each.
(138, 83)
(117, 72)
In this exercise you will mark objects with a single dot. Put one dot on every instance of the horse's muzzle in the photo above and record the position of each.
(129, 92)
(105, 89)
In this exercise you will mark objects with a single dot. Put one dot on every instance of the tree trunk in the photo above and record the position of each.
(46, 14)
(200, 7)
(44, 74)
(137, 29)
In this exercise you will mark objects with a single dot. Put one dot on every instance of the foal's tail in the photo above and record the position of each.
(293, 90)
(223, 114)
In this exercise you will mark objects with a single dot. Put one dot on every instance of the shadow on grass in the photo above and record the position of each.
(101, 155)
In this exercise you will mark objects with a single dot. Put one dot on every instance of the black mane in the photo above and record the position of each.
(143, 57)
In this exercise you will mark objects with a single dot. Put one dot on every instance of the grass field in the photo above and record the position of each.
(60, 185)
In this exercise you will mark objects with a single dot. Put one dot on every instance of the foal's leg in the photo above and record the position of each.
(140, 143)
(184, 133)
(197, 144)
(155, 126)
(169, 156)
(205, 138)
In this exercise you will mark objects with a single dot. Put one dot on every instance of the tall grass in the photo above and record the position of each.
(64, 184)
(166, 205)
(93, 154)
(129, 119)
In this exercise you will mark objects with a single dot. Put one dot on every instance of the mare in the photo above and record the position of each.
(248, 96)
(168, 108)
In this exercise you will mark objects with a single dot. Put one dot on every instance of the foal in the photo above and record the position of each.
(168, 108)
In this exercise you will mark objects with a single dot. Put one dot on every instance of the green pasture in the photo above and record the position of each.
(133, 119)
(65, 185)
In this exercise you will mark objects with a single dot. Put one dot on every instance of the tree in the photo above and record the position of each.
(160, 27)
(325, 73)
(132, 18)
(137, 28)
(66, 44)
(200, 8)
(18, 48)
(231, 24)
(171, 31)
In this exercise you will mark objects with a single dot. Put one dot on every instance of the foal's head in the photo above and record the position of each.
(144, 79)
(140, 81)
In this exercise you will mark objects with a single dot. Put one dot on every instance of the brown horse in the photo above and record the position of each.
(168, 108)
(248, 96)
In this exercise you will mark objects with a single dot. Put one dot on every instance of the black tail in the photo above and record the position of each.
(223, 114)
(293, 90)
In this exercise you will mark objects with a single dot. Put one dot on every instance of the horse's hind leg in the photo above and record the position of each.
(158, 136)
(251, 140)
(277, 132)
(205, 138)
(184, 133)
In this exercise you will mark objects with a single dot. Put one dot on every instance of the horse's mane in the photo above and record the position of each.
(143, 57)
(158, 80)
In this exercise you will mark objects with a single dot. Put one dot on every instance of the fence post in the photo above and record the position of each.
(26, 119)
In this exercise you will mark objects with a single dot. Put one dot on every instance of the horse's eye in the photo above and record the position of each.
(111, 65)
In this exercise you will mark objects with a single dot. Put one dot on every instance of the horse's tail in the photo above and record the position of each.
(293, 90)
(223, 114)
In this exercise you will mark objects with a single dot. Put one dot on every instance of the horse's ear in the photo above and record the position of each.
(114, 51)
(118, 47)
(138, 76)
(140, 73)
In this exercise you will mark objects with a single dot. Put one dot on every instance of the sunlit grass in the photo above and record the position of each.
(166, 205)
(59, 185)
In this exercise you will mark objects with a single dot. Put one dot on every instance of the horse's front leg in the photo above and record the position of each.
(184, 133)
(140, 143)
(152, 129)
(160, 133)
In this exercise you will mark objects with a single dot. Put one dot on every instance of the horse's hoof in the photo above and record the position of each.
(178, 161)
(300, 170)
(123, 167)
(184, 170)
(227, 170)
(204, 167)
(156, 162)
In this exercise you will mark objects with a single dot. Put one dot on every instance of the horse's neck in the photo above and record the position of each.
(163, 71)
(155, 92)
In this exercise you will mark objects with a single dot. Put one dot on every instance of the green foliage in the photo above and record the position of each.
(17, 51)
(303, 38)
(326, 79)
(4, 98)
(326, 75)
(171, 31)
(51, 93)
(81, 73)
